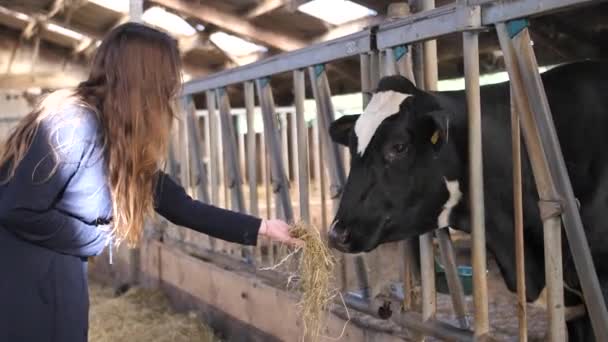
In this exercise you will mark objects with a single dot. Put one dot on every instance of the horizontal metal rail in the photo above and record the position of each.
(418, 27)
(347, 46)
(454, 18)
(411, 321)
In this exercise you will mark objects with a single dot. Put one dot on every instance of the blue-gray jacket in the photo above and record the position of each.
(50, 217)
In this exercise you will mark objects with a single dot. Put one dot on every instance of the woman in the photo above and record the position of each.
(83, 170)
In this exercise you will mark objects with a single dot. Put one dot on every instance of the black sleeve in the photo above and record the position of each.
(173, 203)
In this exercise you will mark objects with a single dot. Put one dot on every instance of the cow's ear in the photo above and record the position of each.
(436, 128)
(340, 129)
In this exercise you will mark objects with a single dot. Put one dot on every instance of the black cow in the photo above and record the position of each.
(409, 172)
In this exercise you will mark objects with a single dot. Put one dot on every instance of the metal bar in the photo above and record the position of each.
(249, 93)
(390, 64)
(525, 69)
(173, 163)
(374, 67)
(322, 94)
(480, 284)
(182, 149)
(417, 27)
(230, 152)
(343, 47)
(427, 274)
(496, 12)
(302, 132)
(418, 63)
(278, 178)
(545, 186)
(518, 220)
(403, 60)
(136, 8)
(453, 18)
(423, 26)
(381, 64)
(427, 259)
(285, 144)
(267, 198)
(446, 251)
(293, 147)
(413, 321)
(366, 87)
(213, 147)
(241, 144)
(196, 153)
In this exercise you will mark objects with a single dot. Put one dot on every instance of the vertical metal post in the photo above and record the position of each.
(374, 66)
(403, 59)
(251, 148)
(266, 173)
(480, 285)
(279, 180)
(241, 146)
(251, 159)
(136, 8)
(390, 65)
(322, 94)
(195, 149)
(293, 146)
(366, 80)
(302, 133)
(315, 157)
(446, 253)
(553, 183)
(427, 260)
(135, 11)
(213, 147)
(518, 220)
(230, 152)
(285, 144)
(427, 273)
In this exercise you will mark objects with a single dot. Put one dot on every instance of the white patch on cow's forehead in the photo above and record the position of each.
(382, 105)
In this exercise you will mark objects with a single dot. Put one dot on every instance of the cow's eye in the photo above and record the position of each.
(399, 148)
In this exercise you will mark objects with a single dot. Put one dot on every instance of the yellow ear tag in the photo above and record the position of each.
(435, 137)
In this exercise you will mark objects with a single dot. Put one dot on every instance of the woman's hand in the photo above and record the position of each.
(278, 230)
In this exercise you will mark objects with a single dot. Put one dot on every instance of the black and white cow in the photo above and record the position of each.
(409, 172)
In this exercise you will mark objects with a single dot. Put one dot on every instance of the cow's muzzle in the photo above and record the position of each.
(339, 238)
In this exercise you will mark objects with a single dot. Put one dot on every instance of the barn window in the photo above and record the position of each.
(168, 21)
(234, 45)
(336, 12)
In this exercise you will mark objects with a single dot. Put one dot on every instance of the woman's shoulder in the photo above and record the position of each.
(71, 128)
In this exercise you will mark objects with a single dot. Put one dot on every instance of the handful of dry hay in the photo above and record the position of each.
(315, 277)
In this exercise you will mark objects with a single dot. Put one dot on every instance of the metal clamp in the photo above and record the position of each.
(550, 208)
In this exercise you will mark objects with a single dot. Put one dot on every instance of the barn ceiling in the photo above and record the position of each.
(220, 34)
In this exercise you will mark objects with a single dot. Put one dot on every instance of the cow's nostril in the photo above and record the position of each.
(338, 236)
(344, 237)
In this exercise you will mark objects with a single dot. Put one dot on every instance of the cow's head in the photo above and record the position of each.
(402, 168)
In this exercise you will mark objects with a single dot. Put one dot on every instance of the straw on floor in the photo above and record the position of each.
(141, 315)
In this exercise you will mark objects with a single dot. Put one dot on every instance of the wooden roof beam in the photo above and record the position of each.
(234, 24)
(265, 6)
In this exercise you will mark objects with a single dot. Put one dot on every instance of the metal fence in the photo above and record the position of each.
(215, 162)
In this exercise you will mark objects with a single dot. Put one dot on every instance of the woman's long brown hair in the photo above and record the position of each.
(132, 86)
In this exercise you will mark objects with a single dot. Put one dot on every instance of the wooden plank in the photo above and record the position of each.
(243, 296)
